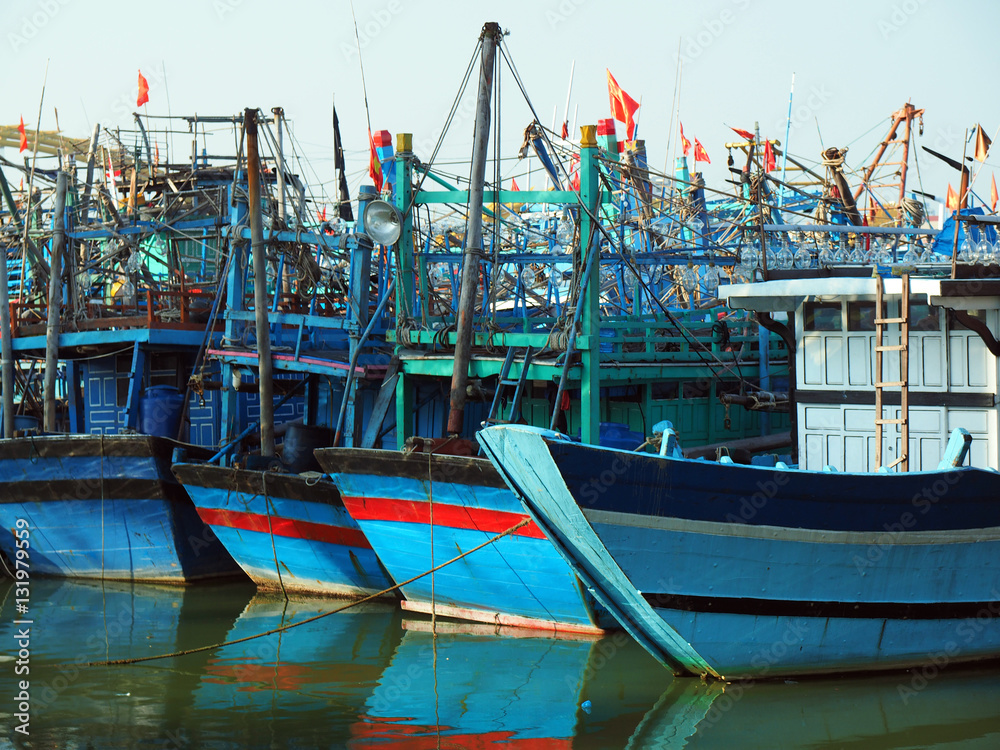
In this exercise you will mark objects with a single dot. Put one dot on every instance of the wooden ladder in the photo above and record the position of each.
(903, 347)
(503, 382)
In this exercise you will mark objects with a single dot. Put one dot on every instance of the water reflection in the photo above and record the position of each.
(369, 677)
(903, 710)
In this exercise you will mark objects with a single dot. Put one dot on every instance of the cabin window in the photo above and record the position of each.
(821, 316)
(860, 316)
(665, 391)
(924, 317)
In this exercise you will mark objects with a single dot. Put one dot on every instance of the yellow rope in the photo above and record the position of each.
(283, 628)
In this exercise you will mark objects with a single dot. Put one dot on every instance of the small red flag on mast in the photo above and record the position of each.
(699, 153)
(623, 106)
(24, 136)
(143, 91)
(685, 143)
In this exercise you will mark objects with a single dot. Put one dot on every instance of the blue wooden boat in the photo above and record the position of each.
(287, 531)
(749, 571)
(436, 507)
(105, 507)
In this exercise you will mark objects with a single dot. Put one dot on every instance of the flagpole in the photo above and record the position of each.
(958, 211)
(31, 182)
(569, 91)
(784, 155)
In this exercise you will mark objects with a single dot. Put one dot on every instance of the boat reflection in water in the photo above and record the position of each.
(476, 685)
(922, 708)
(74, 623)
(367, 677)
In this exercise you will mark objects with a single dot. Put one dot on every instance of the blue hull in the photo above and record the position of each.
(285, 531)
(518, 580)
(104, 507)
(868, 572)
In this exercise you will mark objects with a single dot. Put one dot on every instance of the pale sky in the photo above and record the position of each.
(854, 63)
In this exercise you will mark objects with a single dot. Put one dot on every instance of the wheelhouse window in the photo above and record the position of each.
(822, 316)
(860, 316)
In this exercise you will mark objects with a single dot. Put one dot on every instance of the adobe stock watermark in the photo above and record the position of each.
(223, 8)
(967, 629)
(694, 46)
(901, 14)
(921, 504)
(36, 18)
(563, 12)
(370, 28)
(803, 113)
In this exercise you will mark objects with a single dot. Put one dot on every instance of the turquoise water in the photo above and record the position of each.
(375, 677)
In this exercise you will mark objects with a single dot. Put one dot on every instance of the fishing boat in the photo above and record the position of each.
(876, 551)
(317, 327)
(565, 329)
(110, 285)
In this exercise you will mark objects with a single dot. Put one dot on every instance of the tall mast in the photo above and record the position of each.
(474, 236)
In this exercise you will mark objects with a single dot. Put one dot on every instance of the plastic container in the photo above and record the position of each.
(160, 409)
(300, 442)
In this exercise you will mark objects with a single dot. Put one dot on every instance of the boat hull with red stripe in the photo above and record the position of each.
(419, 511)
(287, 531)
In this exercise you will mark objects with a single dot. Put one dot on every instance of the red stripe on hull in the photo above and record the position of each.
(455, 516)
(289, 527)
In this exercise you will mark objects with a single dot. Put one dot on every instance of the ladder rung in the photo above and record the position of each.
(891, 421)
(891, 348)
(898, 384)
(884, 321)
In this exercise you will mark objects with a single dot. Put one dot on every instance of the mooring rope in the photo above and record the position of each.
(283, 628)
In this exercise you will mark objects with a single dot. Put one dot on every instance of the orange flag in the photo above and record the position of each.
(982, 144)
(685, 143)
(513, 184)
(699, 152)
(623, 106)
(993, 195)
(24, 136)
(143, 91)
(951, 201)
(374, 165)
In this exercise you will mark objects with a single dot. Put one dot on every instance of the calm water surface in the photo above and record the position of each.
(373, 677)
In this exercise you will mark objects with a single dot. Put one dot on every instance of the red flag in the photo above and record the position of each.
(699, 153)
(982, 144)
(685, 143)
(993, 195)
(769, 164)
(513, 184)
(742, 133)
(322, 215)
(574, 173)
(951, 201)
(565, 129)
(143, 91)
(623, 106)
(24, 137)
(374, 165)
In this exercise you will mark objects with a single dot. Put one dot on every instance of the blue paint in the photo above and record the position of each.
(77, 530)
(296, 564)
(648, 533)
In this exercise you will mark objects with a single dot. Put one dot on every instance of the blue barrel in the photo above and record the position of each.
(160, 410)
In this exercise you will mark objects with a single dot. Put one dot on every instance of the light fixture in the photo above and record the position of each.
(382, 222)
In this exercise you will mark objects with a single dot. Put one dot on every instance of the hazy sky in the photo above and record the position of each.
(854, 63)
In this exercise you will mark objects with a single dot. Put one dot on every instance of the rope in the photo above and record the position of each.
(283, 628)
(270, 530)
